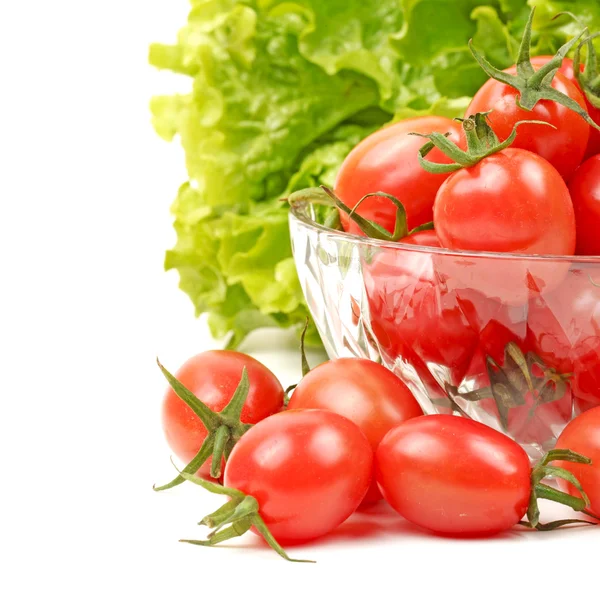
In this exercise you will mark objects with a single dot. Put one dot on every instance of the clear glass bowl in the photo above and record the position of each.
(512, 341)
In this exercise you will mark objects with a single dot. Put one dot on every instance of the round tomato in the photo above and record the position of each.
(453, 475)
(387, 161)
(564, 147)
(593, 145)
(363, 391)
(213, 377)
(585, 193)
(582, 435)
(308, 470)
(512, 201)
(564, 330)
(414, 315)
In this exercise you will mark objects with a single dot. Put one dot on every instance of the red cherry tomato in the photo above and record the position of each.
(453, 475)
(413, 314)
(363, 391)
(582, 435)
(564, 147)
(564, 330)
(387, 161)
(585, 193)
(213, 377)
(423, 238)
(593, 145)
(512, 201)
(308, 469)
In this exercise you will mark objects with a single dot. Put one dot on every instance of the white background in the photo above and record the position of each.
(85, 188)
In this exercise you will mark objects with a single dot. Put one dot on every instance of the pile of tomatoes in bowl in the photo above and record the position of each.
(484, 277)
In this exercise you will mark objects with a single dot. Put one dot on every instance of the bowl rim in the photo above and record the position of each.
(298, 210)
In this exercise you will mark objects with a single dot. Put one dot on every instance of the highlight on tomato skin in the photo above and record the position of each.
(308, 469)
(454, 476)
(583, 435)
(213, 377)
(363, 391)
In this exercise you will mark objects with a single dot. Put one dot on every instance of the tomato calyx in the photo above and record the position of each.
(234, 518)
(589, 79)
(534, 85)
(482, 142)
(304, 362)
(521, 374)
(325, 196)
(224, 428)
(543, 470)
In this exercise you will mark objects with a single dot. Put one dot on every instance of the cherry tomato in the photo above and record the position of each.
(564, 147)
(308, 469)
(413, 314)
(363, 391)
(453, 475)
(593, 145)
(564, 330)
(512, 201)
(213, 377)
(582, 435)
(387, 161)
(585, 193)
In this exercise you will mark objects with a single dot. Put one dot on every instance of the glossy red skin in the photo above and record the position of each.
(512, 202)
(498, 324)
(387, 161)
(564, 330)
(582, 435)
(413, 315)
(454, 476)
(212, 377)
(593, 145)
(585, 193)
(563, 147)
(363, 391)
(308, 469)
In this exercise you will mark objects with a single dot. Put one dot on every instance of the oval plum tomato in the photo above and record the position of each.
(363, 391)
(413, 315)
(513, 201)
(213, 377)
(585, 193)
(564, 147)
(387, 161)
(593, 145)
(453, 475)
(564, 330)
(583, 436)
(308, 469)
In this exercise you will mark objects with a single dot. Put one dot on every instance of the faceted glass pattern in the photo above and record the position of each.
(512, 341)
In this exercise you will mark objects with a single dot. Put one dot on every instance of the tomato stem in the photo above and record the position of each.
(234, 518)
(589, 79)
(325, 196)
(535, 85)
(224, 428)
(544, 470)
(482, 142)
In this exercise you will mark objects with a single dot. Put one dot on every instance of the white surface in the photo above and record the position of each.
(84, 194)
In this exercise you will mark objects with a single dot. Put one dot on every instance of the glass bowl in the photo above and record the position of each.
(512, 341)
